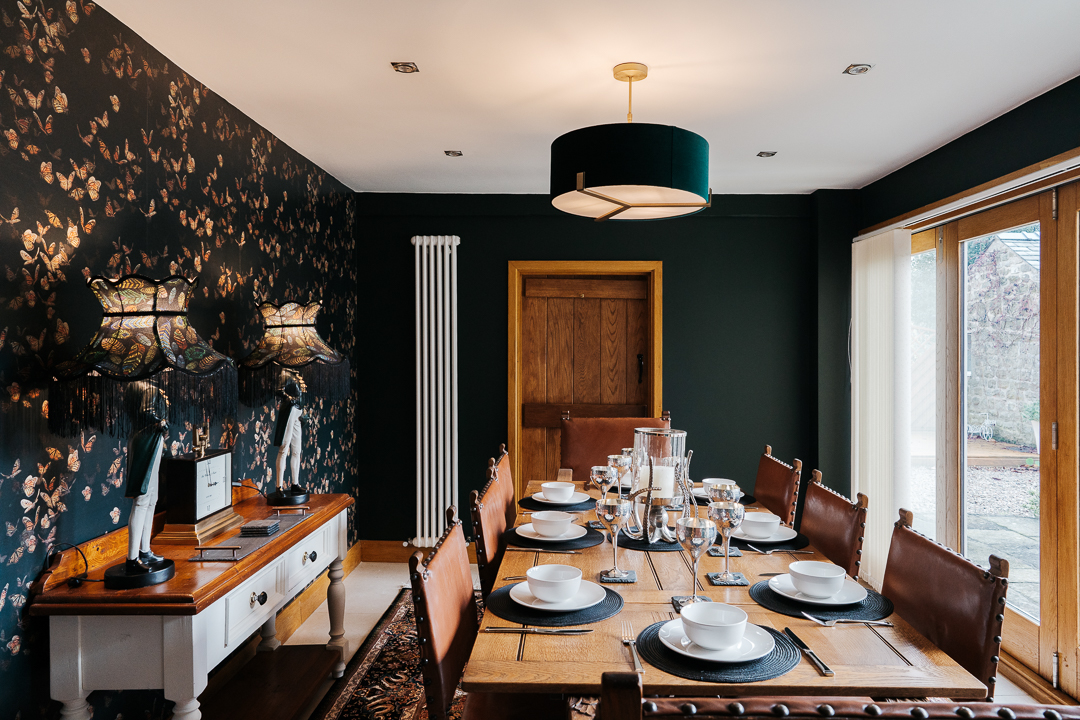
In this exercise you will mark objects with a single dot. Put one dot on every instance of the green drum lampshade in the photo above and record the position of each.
(630, 171)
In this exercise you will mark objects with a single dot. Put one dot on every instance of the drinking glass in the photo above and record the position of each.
(603, 477)
(696, 535)
(621, 465)
(724, 492)
(728, 516)
(612, 514)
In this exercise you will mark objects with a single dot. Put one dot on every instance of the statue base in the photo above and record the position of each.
(279, 498)
(118, 578)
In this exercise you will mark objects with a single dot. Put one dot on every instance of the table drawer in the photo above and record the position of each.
(245, 607)
(309, 557)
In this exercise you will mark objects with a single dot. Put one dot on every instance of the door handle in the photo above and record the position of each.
(640, 367)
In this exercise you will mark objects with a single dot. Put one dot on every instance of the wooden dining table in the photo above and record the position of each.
(880, 662)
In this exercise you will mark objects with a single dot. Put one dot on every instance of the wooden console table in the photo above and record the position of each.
(169, 636)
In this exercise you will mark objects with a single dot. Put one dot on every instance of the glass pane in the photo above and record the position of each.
(922, 498)
(1001, 406)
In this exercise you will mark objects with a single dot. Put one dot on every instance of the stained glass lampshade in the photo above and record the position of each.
(144, 335)
(291, 343)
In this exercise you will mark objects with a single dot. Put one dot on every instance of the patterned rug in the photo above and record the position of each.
(383, 680)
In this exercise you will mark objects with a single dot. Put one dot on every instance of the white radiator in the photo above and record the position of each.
(436, 384)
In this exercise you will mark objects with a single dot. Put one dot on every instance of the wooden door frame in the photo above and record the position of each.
(518, 270)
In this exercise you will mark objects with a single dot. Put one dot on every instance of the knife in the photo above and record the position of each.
(825, 669)
(538, 631)
(560, 552)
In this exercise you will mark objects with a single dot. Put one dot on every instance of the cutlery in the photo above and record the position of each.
(539, 631)
(628, 638)
(830, 623)
(514, 577)
(825, 669)
(560, 552)
(568, 512)
(770, 574)
(770, 552)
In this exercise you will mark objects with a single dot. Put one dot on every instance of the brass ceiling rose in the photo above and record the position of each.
(631, 72)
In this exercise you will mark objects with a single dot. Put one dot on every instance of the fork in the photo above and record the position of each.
(628, 638)
(830, 623)
(770, 552)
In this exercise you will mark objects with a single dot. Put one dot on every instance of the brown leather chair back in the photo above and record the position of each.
(953, 602)
(621, 699)
(777, 485)
(446, 617)
(834, 524)
(490, 509)
(589, 441)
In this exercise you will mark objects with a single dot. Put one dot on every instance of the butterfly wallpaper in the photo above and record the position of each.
(115, 161)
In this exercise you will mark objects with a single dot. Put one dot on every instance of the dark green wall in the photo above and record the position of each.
(1035, 131)
(742, 365)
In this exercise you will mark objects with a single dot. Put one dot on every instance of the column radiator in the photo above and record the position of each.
(436, 384)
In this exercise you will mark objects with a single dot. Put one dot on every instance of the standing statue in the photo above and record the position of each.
(288, 438)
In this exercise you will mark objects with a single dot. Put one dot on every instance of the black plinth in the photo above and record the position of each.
(117, 577)
(279, 498)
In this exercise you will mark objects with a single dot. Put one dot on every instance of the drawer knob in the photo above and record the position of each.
(260, 598)
(310, 556)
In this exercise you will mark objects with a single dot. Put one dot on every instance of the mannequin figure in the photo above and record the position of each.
(288, 437)
(144, 460)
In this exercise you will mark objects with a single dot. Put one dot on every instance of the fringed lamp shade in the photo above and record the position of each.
(291, 343)
(144, 335)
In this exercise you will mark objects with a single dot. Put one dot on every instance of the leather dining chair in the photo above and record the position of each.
(777, 485)
(446, 627)
(621, 699)
(834, 524)
(492, 510)
(587, 442)
(950, 600)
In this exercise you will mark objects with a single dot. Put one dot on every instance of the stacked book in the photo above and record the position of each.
(259, 528)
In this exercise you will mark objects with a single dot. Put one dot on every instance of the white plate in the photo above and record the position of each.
(703, 493)
(588, 594)
(578, 497)
(756, 643)
(852, 592)
(782, 534)
(528, 531)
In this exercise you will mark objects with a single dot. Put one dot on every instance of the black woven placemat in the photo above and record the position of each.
(534, 505)
(590, 538)
(796, 543)
(501, 604)
(781, 660)
(875, 607)
(628, 543)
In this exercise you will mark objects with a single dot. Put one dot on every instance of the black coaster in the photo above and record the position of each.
(500, 603)
(590, 538)
(626, 543)
(875, 607)
(680, 601)
(796, 543)
(530, 504)
(596, 525)
(780, 661)
(717, 551)
(631, 577)
(714, 579)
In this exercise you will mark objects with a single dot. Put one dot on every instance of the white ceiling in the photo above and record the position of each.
(500, 79)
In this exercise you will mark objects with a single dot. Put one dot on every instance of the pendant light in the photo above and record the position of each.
(630, 171)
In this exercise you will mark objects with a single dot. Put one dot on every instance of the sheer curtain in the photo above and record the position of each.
(880, 387)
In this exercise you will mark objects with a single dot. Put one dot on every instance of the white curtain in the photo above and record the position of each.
(880, 387)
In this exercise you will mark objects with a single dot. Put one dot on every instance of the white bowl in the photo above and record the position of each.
(553, 583)
(714, 626)
(760, 524)
(816, 579)
(558, 491)
(551, 523)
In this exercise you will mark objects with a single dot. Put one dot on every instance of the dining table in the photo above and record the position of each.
(874, 661)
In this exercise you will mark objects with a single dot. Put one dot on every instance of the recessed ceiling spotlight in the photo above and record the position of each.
(766, 153)
(453, 153)
(405, 67)
(857, 69)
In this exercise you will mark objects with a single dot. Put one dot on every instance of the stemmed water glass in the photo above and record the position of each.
(621, 465)
(724, 492)
(728, 516)
(612, 513)
(603, 477)
(696, 535)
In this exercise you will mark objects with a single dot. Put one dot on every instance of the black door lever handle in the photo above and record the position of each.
(640, 367)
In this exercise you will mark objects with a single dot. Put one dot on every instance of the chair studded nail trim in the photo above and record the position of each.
(777, 486)
(834, 524)
(492, 511)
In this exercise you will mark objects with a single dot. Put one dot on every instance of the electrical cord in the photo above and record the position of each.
(74, 582)
(252, 486)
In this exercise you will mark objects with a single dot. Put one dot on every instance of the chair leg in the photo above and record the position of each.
(620, 696)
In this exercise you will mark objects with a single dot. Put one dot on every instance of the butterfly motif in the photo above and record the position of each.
(73, 235)
(62, 332)
(92, 187)
(15, 643)
(30, 486)
(47, 172)
(16, 556)
(103, 121)
(86, 56)
(115, 515)
(60, 101)
(73, 462)
(34, 100)
(10, 529)
(3, 595)
(32, 149)
(46, 127)
(87, 445)
(190, 164)
(87, 227)
(17, 601)
(12, 138)
(115, 103)
(87, 492)
(66, 182)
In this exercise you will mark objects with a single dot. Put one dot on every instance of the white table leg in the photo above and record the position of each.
(75, 709)
(269, 642)
(187, 710)
(335, 602)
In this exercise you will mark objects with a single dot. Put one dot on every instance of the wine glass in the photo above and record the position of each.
(612, 513)
(724, 492)
(621, 465)
(728, 516)
(603, 477)
(696, 535)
